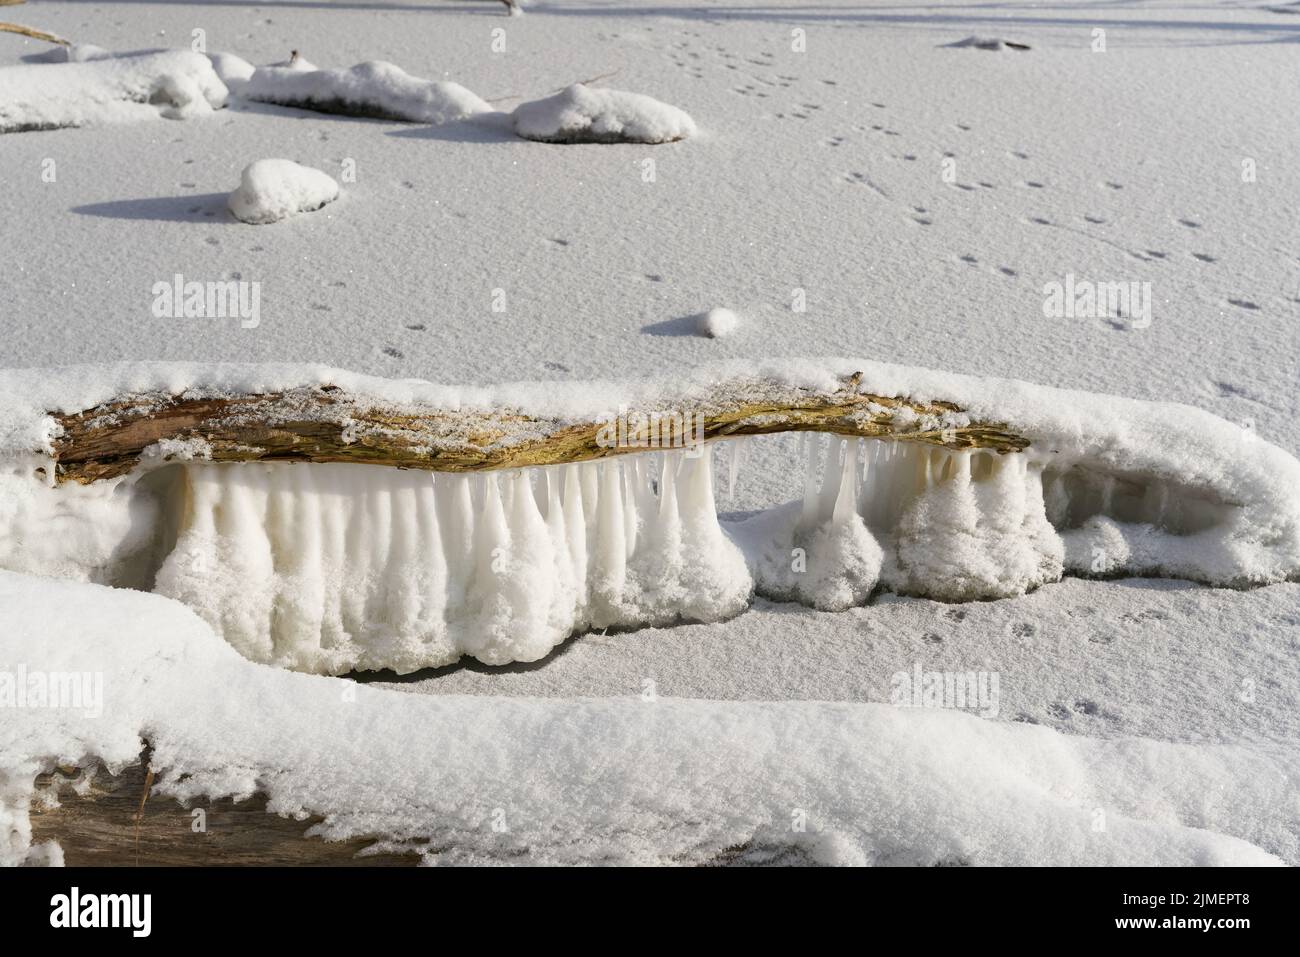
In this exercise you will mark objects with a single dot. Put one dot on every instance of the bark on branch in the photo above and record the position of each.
(327, 424)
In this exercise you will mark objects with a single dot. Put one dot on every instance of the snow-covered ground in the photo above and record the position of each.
(858, 184)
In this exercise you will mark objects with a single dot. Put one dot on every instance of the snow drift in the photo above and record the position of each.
(461, 779)
(174, 84)
(374, 89)
(333, 567)
(581, 114)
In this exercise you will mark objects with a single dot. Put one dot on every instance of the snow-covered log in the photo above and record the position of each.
(376, 89)
(326, 522)
(176, 84)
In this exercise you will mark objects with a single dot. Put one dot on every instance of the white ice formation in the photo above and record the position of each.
(336, 567)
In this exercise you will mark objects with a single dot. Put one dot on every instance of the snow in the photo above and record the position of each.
(174, 84)
(375, 88)
(884, 784)
(274, 189)
(719, 322)
(233, 71)
(819, 206)
(581, 114)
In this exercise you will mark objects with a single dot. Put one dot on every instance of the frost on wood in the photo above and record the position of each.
(329, 424)
(274, 189)
(375, 89)
(175, 84)
(581, 114)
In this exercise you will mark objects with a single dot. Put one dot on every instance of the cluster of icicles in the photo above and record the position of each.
(330, 568)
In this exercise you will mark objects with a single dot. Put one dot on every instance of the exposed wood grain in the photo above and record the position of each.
(326, 424)
(118, 823)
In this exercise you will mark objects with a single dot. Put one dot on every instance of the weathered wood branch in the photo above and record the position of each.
(327, 424)
(115, 821)
(32, 32)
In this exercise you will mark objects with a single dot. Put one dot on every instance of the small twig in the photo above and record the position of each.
(139, 814)
(34, 34)
(594, 79)
(588, 82)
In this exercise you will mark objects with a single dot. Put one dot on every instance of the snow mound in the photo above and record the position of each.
(234, 71)
(274, 189)
(718, 323)
(628, 780)
(174, 84)
(584, 115)
(376, 89)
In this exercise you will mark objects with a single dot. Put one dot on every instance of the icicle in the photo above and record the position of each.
(589, 473)
(835, 450)
(630, 520)
(696, 505)
(1107, 493)
(575, 528)
(737, 452)
(610, 559)
(491, 535)
(809, 448)
(846, 500)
